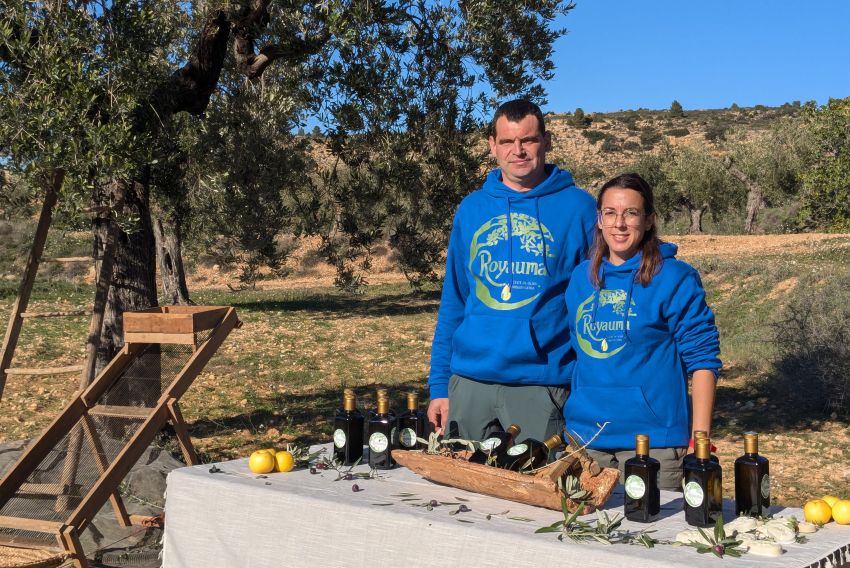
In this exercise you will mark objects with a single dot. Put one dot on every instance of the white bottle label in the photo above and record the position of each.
(694, 494)
(408, 437)
(339, 438)
(635, 487)
(765, 486)
(517, 450)
(490, 444)
(378, 442)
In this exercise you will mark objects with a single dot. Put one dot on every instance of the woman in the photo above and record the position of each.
(639, 326)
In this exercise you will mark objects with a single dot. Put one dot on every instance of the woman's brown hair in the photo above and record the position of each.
(650, 261)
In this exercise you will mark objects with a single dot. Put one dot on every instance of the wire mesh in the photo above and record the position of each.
(73, 466)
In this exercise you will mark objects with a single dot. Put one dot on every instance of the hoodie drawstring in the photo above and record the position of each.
(542, 237)
(510, 252)
(628, 308)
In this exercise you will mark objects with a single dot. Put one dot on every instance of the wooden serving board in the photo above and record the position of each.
(539, 489)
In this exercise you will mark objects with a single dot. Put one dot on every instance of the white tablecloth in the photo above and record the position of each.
(237, 519)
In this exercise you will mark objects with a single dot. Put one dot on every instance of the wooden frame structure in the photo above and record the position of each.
(19, 308)
(76, 424)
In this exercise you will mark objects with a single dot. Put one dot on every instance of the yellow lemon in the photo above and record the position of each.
(841, 511)
(272, 451)
(284, 461)
(261, 461)
(817, 511)
(830, 499)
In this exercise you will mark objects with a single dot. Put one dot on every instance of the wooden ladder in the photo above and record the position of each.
(19, 308)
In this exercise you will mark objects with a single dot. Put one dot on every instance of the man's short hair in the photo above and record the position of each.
(515, 111)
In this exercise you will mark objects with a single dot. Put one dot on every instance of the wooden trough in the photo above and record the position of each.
(539, 488)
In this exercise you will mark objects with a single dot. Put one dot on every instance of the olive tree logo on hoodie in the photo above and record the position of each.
(602, 323)
(508, 277)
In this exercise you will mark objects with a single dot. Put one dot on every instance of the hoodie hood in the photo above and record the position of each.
(556, 180)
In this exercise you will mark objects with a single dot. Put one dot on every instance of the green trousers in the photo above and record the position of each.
(476, 409)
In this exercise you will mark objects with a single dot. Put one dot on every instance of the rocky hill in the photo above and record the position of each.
(597, 146)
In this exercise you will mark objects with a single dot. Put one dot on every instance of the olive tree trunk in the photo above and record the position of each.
(696, 220)
(169, 258)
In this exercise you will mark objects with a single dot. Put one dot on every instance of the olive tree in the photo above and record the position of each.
(118, 93)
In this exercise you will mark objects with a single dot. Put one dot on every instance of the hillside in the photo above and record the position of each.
(610, 141)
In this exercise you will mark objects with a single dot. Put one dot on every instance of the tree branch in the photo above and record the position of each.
(250, 21)
(189, 88)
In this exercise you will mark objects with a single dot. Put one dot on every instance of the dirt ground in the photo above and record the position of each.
(306, 273)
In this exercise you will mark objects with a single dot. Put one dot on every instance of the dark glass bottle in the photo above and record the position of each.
(382, 434)
(752, 480)
(642, 495)
(411, 425)
(372, 412)
(691, 457)
(703, 488)
(530, 454)
(348, 431)
(496, 445)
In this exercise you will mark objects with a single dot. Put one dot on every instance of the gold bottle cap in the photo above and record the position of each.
(700, 434)
(349, 402)
(347, 392)
(642, 445)
(514, 430)
(751, 442)
(383, 405)
(553, 442)
(412, 401)
(702, 448)
(383, 393)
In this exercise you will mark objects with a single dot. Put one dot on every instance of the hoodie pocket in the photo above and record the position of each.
(495, 344)
(624, 408)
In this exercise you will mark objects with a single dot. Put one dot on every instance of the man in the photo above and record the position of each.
(501, 352)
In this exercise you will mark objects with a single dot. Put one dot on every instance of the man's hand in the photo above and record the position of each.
(438, 414)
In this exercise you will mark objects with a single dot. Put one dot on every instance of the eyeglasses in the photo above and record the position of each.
(631, 217)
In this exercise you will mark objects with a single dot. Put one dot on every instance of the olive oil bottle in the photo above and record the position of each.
(496, 445)
(642, 501)
(703, 487)
(752, 480)
(382, 434)
(530, 454)
(411, 425)
(348, 430)
(691, 457)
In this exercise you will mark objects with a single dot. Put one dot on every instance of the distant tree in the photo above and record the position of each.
(580, 119)
(316, 132)
(676, 110)
(734, 106)
(826, 192)
(701, 184)
(770, 166)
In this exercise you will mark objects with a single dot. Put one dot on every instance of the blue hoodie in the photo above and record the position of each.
(636, 346)
(502, 317)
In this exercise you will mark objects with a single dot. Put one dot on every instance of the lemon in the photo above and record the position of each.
(817, 511)
(841, 511)
(272, 451)
(284, 461)
(261, 461)
(830, 499)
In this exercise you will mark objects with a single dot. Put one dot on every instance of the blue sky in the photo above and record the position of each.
(622, 54)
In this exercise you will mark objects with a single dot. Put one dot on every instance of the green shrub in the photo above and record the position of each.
(649, 138)
(610, 145)
(677, 132)
(594, 136)
(812, 341)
